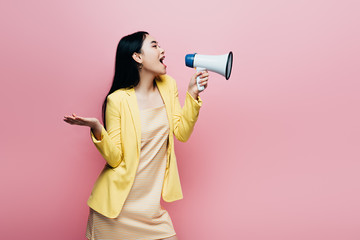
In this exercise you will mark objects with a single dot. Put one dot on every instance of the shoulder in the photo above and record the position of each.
(117, 96)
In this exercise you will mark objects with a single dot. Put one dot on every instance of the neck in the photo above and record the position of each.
(146, 83)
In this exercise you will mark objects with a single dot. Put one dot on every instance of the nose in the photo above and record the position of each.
(162, 51)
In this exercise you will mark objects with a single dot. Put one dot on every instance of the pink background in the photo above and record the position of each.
(275, 152)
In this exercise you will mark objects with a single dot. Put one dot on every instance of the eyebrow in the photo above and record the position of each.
(154, 42)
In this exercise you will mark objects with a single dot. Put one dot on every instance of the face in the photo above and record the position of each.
(151, 56)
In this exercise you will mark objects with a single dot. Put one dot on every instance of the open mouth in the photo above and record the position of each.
(162, 60)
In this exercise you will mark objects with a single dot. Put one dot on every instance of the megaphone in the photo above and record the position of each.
(221, 64)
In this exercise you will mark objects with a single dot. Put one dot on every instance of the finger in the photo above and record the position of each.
(70, 118)
(204, 83)
(74, 122)
(69, 121)
(79, 118)
(203, 80)
(205, 74)
(198, 74)
(66, 118)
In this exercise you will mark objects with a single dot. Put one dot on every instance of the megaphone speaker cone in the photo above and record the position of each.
(229, 65)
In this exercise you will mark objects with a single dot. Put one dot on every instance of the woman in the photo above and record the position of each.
(141, 113)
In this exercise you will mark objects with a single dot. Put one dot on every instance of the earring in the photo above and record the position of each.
(140, 66)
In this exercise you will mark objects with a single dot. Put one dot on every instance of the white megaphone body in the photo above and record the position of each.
(221, 64)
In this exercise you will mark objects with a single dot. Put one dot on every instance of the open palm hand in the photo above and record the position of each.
(81, 121)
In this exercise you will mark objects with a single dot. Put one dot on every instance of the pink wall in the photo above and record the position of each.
(275, 153)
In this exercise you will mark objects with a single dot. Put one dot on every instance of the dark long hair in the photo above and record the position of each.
(126, 68)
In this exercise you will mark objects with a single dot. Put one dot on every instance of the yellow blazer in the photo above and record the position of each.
(120, 145)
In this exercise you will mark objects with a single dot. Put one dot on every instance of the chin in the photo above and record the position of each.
(162, 72)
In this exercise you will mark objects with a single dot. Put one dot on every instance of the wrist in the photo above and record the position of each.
(193, 94)
(95, 125)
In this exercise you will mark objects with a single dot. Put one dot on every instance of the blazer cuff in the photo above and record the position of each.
(197, 101)
(103, 131)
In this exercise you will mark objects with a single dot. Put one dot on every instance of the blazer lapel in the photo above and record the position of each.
(164, 92)
(135, 114)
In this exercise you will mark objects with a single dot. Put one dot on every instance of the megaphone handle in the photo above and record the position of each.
(200, 88)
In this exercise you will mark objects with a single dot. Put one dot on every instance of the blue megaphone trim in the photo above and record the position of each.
(189, 60)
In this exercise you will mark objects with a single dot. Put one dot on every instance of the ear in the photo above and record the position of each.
(137, 57)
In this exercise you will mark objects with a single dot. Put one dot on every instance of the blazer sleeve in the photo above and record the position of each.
(109, 144)
(184, 119)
